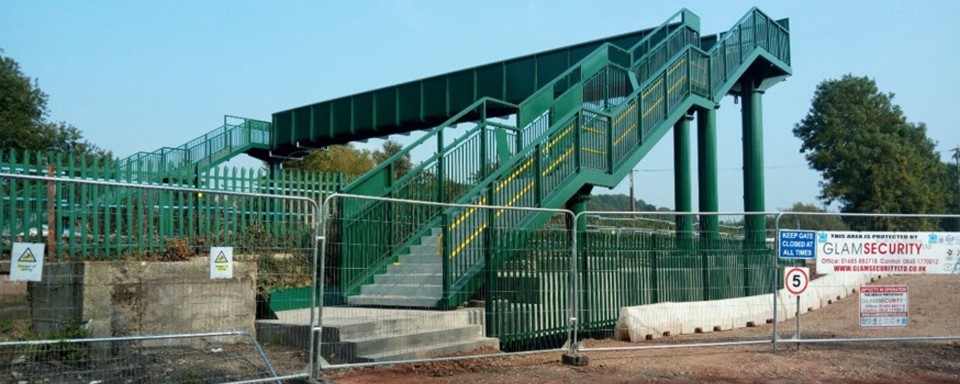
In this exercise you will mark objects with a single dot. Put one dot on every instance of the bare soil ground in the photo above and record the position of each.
(934, 311)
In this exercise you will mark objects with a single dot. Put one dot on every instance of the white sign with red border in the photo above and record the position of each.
(796, 280)
(884, 305)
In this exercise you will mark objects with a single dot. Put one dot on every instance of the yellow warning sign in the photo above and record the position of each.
(221, 258)
(27, 257)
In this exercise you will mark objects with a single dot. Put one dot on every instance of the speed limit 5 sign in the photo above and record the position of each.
(796, 279)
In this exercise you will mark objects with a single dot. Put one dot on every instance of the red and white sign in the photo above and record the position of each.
(884, 305)
(796, 280)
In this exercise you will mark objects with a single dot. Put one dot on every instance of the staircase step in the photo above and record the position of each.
(407, 342)
(414, 268)
(424, 278)
(394, 301)
(435, 350)
(423, 258)
(412, 321)
(424, 249)
(408, 288)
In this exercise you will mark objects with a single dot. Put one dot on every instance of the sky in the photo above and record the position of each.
(136, 76)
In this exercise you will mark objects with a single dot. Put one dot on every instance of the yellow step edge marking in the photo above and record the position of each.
(625, 113)
(675, 85)
(558, 160)
(484, 226)
(594, 151)
(555, 139)
(469, 212)
(594, 130)
(674, 68)
(515, 198)
(647, 112)
(624, 135)
(652, 87)
(514, 175)
(467, 241)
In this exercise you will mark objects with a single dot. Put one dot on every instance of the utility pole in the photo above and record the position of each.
(956, 157)
(633, 200)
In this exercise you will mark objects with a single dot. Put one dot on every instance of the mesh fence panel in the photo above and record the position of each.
(208, 358)
(472, 280)
(882, 276)
(138, 262)
(644, 276)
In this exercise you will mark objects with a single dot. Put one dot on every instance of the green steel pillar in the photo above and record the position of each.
(753, 192)
(681, 176)
(707, 171)
(708, 192)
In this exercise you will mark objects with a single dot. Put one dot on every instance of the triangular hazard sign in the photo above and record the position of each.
(221, 258)
(27, 256)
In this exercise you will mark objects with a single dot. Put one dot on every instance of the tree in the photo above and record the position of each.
(871, 159)
(23, 124)
(336, 158)
(809, 222)
(401, 166)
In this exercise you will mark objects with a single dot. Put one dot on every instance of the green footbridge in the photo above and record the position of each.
(545, 129)
(535, 131)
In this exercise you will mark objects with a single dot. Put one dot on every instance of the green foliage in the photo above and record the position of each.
(176, 249)
(23, 124)
(870, 157)
(618, 203)
(401, 166)
(345, 159)
(66, 353)
(811, 222)
(353, 161)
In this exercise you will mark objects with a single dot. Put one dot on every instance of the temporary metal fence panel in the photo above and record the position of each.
(886, 277)
(232, 275)
(481, 280)
(642, 277)
(186, 358)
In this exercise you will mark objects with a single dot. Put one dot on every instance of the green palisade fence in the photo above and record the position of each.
(94, 222)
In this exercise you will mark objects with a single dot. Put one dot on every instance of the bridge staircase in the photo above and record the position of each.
(589, 126)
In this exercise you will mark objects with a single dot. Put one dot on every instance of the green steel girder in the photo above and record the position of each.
(421, 104)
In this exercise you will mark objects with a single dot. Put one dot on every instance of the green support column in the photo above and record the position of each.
(708, 192)
(707, 171)
(753, 192)
(681, 176)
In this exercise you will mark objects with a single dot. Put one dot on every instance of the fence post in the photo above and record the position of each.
(492, 329)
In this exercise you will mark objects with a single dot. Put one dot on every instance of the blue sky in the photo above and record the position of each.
(135, 76)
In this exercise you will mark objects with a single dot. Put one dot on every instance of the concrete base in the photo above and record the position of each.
(354, 335)
(120, 298)
(647, 322)
(574, 360)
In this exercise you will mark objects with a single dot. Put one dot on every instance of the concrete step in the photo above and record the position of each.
(434, 350)
(414, 322)
(424, 278)
(408, 342)
(394, 301)
(408, 289)
(414, 268)
(420, 259)
(429, 249)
